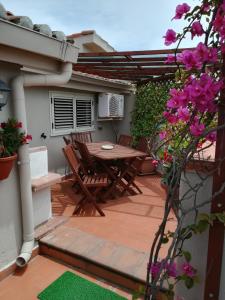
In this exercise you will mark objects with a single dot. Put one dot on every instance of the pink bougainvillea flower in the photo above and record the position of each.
(202, 92)
(181, 9)
(211, 137)
(202, 53)
(171, 118)
(190, 60)
(213, 55)
(183, 114)
(206, 7)
(170, 59)
(178, 98)
(196, 29)
(155, 268)
(188, 270)
(171, 269)
(197, 129)
(170, 37)
(3, 124)
(219, 23)
(162, 135)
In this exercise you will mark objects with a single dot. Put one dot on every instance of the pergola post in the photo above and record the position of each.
(216, 232)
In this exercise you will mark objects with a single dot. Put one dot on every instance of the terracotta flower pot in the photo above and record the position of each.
(6, 165)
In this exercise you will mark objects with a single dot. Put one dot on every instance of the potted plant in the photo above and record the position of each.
(11, 138)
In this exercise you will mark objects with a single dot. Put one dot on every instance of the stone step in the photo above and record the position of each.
(108, 260)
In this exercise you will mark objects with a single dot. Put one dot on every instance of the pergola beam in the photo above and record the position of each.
(127, 65)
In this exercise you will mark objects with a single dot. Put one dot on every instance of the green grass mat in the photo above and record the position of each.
(72, 287)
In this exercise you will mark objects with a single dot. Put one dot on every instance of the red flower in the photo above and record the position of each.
(29, 137)
(19, 125)
(3, 125)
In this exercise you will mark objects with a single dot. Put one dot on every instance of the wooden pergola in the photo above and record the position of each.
(135, 66)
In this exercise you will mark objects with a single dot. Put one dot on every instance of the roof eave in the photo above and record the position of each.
(22, 38)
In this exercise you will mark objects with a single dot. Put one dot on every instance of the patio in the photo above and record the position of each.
(111, 251)
(115, 247)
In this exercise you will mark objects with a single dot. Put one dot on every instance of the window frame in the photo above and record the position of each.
(74, 97)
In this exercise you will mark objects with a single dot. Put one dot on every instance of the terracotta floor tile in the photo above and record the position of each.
(40, 272)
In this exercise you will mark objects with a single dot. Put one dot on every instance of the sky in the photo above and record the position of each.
(125, 24)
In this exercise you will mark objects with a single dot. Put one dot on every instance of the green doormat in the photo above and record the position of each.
(72, 287)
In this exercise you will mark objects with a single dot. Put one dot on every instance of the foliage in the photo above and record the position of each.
(189, 127)
(150, 103)
(11, 137)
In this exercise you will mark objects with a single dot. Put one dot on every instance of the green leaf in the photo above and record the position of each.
(202, 226)
(188, 236)
(189, 282)
(221, 217)
(187, 255)
(165, 240)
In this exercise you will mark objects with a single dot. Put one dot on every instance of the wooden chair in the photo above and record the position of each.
(125, 140)
(143, 145)
(66, 140)
(87, 160)
(146, 167)
(130, 175)
(90, 186)
(83, 137)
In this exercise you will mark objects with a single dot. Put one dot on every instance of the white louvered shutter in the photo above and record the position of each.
(84, 113)
(62, 114)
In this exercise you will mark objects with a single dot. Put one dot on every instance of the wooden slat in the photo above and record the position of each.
(132, 53)
(113, 59)
(122, 64)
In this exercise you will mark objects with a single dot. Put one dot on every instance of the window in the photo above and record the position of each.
(71, 113)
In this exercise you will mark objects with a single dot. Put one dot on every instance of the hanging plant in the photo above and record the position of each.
(11, 138)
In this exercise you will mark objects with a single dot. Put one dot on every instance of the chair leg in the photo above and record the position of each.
(129, 183)
(79, 205)
(137, 187)
(92, 200)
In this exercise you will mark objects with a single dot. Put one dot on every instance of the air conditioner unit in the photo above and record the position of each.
(110, 105)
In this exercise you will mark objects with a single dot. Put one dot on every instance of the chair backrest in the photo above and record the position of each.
(83, 137)
(143, 145)
(74, 165)
(71, 158)
(85, 155)
(66, 140)
(125, 140)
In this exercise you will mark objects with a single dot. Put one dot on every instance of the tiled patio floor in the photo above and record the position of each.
(130, 221)
(119, 241)
(115, 247)
(27, 283)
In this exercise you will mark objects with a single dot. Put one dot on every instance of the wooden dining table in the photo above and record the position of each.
(118, 153)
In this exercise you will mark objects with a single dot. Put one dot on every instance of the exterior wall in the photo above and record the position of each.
(38, 114)
(38, 118)
(198, 244)
(10, 210)
(125, 124)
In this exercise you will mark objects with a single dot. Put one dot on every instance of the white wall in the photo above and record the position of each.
(198, 244)
(38, 114)
(38, 117)
(125, 124)
(10, 210)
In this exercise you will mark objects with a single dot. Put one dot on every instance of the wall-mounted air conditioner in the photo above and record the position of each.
(110, 105)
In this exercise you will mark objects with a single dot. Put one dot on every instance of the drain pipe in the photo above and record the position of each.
(18, 85)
